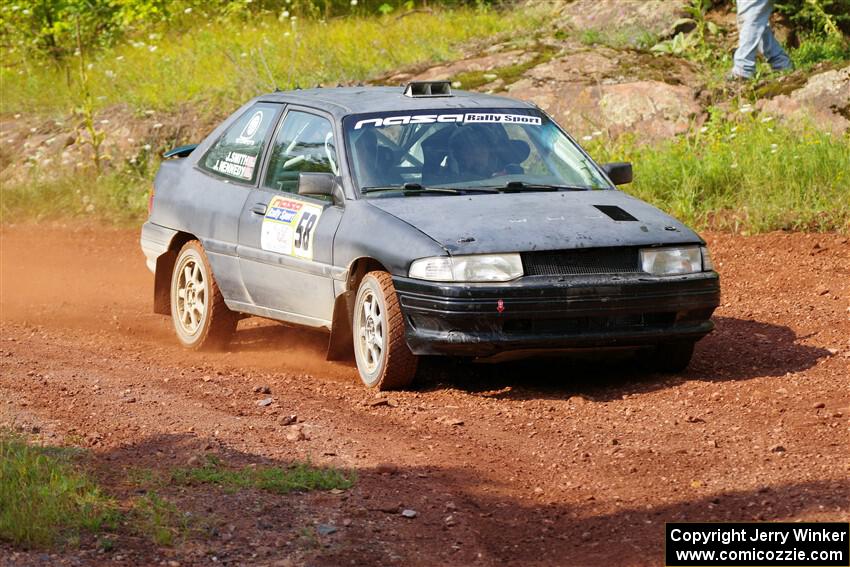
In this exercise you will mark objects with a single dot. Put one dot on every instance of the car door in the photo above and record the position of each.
(286, 240)
(214, 192)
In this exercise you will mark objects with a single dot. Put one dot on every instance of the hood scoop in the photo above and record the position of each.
(615, 212)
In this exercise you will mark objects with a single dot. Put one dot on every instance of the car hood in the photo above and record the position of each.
(516, 222)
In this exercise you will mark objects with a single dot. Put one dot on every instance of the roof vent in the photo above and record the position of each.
(425, 89)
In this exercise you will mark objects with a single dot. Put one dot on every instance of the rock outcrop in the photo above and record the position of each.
(824, 99)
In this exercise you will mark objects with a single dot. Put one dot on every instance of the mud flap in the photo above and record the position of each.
(341, 345)
(162, 283)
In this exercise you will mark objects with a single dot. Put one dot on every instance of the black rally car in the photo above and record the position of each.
(419, 221)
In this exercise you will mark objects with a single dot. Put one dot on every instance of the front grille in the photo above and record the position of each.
(620, 260)
(631, 322)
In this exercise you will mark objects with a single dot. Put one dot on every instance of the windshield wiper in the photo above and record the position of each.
(416, 188)
(410, 188)
(517, 186)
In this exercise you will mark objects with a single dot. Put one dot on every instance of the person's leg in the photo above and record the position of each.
(753, 20)
(773, 52)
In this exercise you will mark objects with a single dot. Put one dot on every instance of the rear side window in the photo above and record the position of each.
(305, 143)
(236, 154)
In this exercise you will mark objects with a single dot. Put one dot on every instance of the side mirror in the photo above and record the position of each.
(619, 172)
(316, 184)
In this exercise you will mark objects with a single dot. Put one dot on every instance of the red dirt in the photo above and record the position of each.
(555, 463)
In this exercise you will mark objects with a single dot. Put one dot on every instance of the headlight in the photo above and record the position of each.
(477, 268)
(671, 261)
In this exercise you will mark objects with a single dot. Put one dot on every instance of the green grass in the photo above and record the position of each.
(158, 519)
(750, 176)
(45, 499)
(222, 64)
(619, 37)
(117, 198)
(296, 477)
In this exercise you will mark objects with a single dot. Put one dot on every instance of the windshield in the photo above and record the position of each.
(459, 149)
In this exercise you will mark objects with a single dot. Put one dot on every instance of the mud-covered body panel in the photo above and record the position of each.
(313, 285)
(518, 222)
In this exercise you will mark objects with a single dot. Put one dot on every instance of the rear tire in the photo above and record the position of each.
(380, 349)
(201, 319)
(672, 357)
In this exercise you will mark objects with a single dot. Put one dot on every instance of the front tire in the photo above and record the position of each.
(201, 319)
(380, 349)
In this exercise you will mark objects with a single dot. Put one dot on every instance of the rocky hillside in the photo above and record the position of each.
(591, 69)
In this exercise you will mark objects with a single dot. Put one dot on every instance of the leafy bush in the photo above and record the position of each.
(828, 17)
(814, 49)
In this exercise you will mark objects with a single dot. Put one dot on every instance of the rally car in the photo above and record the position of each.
(410, 221)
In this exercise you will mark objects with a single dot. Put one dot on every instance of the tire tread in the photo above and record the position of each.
(400, 366)
(222, 321)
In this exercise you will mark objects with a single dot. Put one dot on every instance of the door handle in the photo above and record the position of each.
(259, 209)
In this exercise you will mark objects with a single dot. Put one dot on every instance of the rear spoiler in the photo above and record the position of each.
(182, 151)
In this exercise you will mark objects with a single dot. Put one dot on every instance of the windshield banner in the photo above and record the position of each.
(467, 118)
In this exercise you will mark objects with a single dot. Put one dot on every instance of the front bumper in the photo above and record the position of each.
(556, 313)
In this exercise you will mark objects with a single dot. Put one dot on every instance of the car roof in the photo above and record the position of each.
(343, 101)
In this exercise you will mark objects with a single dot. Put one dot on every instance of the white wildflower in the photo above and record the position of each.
(766, 119)
(733, 166)
(104, 121)
(597, 133)
(187, 11)
(354, 2)
(587, 138)
(152, 48)
(157, 126)
(703, 130)
(734, 129)
(146, 147)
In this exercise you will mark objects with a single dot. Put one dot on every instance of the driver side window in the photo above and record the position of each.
(305, 143)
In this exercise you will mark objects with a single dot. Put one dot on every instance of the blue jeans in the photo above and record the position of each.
(754, 36)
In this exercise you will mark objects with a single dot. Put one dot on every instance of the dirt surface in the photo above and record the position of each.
(560, 462)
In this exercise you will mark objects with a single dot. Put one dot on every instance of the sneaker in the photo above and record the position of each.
(734, 77)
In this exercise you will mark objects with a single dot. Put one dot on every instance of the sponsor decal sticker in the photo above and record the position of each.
(250, 129)
(288, 227)
(237, 165)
